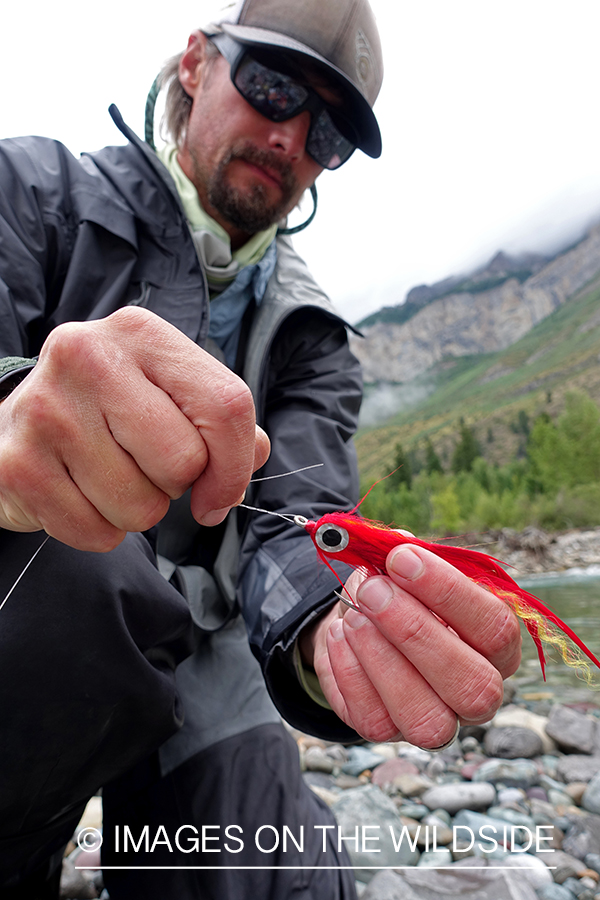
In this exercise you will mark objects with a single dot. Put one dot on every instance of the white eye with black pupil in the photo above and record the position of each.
(331, 538)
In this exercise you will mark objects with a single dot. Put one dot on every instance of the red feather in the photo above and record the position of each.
(367, 547)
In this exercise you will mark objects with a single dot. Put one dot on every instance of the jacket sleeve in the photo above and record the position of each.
(34, 236)
(312, 403)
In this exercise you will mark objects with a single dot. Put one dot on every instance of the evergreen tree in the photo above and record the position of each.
(466, 451)
(403, 471)
(432, 460)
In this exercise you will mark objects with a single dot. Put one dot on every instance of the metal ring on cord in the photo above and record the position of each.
(447, 744)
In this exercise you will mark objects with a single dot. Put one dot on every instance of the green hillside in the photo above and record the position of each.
(498, 396)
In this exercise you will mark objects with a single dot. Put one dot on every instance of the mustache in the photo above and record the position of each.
(267, 159)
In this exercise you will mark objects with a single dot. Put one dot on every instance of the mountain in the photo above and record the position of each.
(463, 316)
(498, 395)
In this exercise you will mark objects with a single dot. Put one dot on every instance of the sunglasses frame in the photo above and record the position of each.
(236, 54)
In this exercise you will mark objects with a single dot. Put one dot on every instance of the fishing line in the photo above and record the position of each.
(45, 541)
(288, 518)
(284, 475)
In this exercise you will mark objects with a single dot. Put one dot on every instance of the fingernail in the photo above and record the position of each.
(241, 499)
(354, 619)
(336, 630)
(214, 517)
(406, 563)
(375, 594)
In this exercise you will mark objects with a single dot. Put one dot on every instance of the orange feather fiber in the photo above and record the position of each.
(365, 544)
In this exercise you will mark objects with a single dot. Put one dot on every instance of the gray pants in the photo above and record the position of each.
(89, 644)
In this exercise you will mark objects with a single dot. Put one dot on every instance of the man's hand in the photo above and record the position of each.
(428, 648)
(118, 417)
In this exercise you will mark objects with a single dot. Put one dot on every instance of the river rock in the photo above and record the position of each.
(419, 756)
(560, 800)
(316, 760)
(388, 751)
(567, 866)
(532, 872)
(470, 744)
(436, 767)
(412, 785)
(575, 767)
(511, 772)
(369, 806)
(76, 883)
(591, 796)
(337, 752)
(592, 861)
(438, 816)
(542, 812)
(578, 889)
(453, 797)
(562, 864)
(328, 796)
(554, 892)
(434, 859)
(391, 768)
(512, 816)
(413, 810)
(583, 835)
(345, 782)
(360, 759)
(512, 795)
(576, 790)
(512, 743)
(468, 825)
(549, 763)
(319, 779)
(533, 869)
(571, 729)
(457, 884)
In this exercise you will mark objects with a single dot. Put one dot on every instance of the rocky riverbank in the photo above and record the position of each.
(511, 811)
(534, 550)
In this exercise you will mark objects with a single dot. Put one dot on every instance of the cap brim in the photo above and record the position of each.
(363, 117)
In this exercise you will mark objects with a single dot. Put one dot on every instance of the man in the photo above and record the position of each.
(129, 444)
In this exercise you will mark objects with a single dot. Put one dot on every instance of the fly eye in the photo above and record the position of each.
(332, 538)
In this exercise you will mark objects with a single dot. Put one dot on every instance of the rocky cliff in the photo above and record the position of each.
(467, 320)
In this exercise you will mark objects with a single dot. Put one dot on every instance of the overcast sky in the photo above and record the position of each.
(489, 116)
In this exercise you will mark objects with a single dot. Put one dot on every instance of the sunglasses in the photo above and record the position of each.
(331, 139)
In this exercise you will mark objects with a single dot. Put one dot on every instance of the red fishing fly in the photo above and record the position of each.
(364, 545)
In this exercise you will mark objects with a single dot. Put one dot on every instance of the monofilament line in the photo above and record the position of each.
(288, 517)
(45, 541)
(285, 474)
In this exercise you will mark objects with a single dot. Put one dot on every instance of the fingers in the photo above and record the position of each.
(118, 417)
(353, 695)
(411, 706)
(482, 620)
(220, 408)
(397, 668)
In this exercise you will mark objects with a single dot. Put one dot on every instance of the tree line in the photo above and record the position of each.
(553, 481)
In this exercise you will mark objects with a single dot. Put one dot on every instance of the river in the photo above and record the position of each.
(574, 595)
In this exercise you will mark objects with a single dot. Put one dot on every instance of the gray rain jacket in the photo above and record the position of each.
(82, 238)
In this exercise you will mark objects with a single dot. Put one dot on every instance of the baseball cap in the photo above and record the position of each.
(340, 35)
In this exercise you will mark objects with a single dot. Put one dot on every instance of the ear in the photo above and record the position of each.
(192, 62)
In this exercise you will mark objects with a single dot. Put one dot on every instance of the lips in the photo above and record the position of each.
(268, 174)
(269, 166)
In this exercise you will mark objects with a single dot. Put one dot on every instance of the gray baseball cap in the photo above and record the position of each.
(341, 35)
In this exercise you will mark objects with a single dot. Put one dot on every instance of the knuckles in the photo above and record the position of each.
(486, 696)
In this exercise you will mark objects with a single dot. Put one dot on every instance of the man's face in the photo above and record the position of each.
(249, 172)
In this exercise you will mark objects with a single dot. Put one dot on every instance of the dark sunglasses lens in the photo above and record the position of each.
(326, 144)
(272, 94)
(280, 97)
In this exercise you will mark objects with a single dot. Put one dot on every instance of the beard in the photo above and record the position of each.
(251, 211)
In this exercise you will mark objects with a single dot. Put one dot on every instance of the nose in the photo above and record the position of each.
(289, 137)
